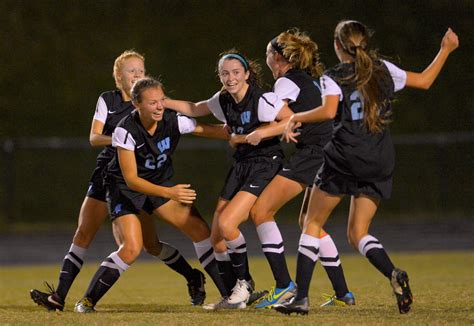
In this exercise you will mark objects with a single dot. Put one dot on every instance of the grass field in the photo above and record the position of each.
(150, 293)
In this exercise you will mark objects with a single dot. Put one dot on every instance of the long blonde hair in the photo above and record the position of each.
(299, 50)
(127, 54)
(353, 37)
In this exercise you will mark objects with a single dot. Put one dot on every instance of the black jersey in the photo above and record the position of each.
(152, 152)
(304, 93)
(255, 109)
(110, 109)
(353, 151)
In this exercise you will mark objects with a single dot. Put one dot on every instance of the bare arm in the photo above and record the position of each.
(96, 138)
(326, 111)
(425, 79)
(212, 131)
(271, 129)
(190, 109)
(128, 165)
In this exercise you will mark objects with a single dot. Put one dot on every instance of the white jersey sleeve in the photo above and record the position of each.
(286, 89)
(269, 105)
(330, 87)
(215, 107)
(100, 110)
(399, 76)
(186, 124)
(123, 139)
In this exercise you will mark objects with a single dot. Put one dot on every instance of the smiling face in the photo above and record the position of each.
(150, 104)
(132, 69)
(233, 77)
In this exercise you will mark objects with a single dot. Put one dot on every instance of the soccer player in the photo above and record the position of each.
(359, 159)
(243, 106)
(139, 178)
(293, 59)
(112, 106)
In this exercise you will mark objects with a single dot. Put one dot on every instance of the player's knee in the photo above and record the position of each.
(198, 230)
(82, 238)
(130, 251)
(153, 249)
(353, 237)
(260, 215)
(225, 227)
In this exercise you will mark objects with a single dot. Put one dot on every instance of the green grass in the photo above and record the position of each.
(150, 293)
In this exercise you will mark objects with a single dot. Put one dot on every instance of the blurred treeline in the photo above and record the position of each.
(57, 58)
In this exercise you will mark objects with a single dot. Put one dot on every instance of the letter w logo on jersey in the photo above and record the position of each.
(164, 144)
(245, 117)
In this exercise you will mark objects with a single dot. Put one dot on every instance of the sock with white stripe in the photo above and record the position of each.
(72, 265)
(370, 247)
(272, 247)
(205, 254)
(238, 255)
(329, 257)
(174, 260)
(307, 257)
(107, 274)
(226, 271)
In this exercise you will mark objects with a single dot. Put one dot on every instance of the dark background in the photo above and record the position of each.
(57, 57)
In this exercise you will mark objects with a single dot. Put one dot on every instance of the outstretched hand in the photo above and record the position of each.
(289, 134)
(450, 41)
(183, 193)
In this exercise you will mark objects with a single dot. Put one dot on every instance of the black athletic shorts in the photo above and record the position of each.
(96, 188)
(332, 182)
(303, 165)
(251, 175)
(123, 201)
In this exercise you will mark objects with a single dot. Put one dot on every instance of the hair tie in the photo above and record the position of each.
(239, 57)
(277, 47)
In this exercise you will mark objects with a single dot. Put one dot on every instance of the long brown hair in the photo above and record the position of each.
(254, 69)
(299, 50)
(354, 37)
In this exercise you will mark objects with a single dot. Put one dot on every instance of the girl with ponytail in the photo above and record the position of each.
(359, 159)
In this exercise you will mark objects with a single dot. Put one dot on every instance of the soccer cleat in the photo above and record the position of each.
(256, 297)
(240, 292)
(51, 301)
(196, 288)
(331, 300)
(223, 303)
(276, 295)
(84, 306)
(401, 289)
(300, 307)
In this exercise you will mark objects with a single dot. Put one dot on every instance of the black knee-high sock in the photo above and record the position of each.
(72, 265)
(226, 271)
(329, 257)
(174, 260)
(205, 254)
(370, 247)
(308, 250)
(107, 274)
(238, 256)
(272, 247)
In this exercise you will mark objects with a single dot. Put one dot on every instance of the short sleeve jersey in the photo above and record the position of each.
(304, 93)
(255, 109)
(110, 109)
(152, 152)
(353, 150)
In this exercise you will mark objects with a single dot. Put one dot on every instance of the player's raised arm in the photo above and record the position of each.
(425, 79)
(191, 109)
